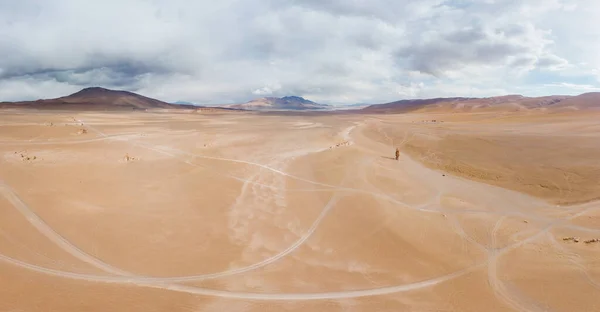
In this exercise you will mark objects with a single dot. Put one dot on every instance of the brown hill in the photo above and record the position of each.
(98, 99)
(584, 101)
(410, 105)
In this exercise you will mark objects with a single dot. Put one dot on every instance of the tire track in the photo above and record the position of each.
(498, 286)
(575, 259)
(102, 138)
(53, 236)
(80, 254)
(292, 296)
(242, 295)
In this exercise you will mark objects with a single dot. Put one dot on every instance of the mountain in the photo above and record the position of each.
(355, 106)
(583, 101)
(95, 98)
(284, 103)
(507, 103)
(183, 103)
(409, 105)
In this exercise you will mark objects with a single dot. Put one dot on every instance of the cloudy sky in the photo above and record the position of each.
(329, 51)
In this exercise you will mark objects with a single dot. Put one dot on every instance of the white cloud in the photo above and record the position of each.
(572, 86)
(334, 51)
(410, 91)
(267, 90)
(32, 89)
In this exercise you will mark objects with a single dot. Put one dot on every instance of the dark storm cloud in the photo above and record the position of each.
(212, 51)
(116, 67)
(448, 53)
(463, 40)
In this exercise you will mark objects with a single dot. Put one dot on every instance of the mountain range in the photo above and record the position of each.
(96, 98)
(499, 103)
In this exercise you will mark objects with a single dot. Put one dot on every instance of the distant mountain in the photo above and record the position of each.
(589, 100)
(284, 103)
(499, 103)
(98, 98)
(184, 103)
(408, 105)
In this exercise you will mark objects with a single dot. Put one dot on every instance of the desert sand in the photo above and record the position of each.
(240, 211)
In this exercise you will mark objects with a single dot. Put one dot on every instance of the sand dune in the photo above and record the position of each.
(150, 211)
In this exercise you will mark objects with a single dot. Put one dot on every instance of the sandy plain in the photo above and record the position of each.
(250, 212)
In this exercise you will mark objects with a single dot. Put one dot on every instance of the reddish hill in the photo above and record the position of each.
(409, 105)
(584, 101)
(98, 98)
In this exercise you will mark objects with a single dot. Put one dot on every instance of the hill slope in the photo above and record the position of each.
(500, 103)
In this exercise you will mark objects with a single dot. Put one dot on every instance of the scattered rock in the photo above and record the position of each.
(345, 143)
(25, 157)
(129, 158)
(594, 240)
(82, 131)
(574, 239)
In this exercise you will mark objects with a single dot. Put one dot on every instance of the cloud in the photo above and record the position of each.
(334, 51)
(552, 62)
(267, 90)
(572, 86)
(26, 89)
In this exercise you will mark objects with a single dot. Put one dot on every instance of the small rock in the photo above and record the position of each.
(595, 240)
(575, 239)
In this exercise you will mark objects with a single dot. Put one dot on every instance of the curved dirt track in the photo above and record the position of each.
(287, 216)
